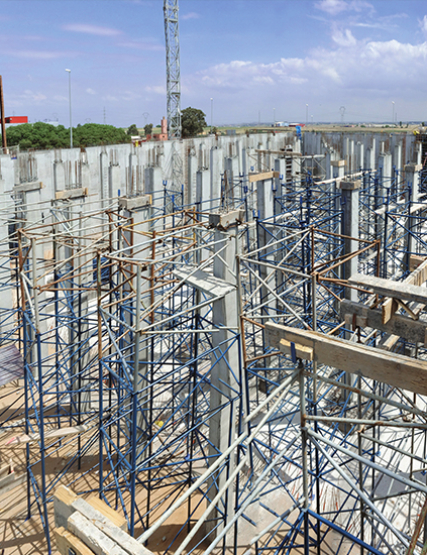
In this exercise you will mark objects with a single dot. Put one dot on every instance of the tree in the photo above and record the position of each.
(193, 122)
(44, 136)
(148, 129)
(133, 130)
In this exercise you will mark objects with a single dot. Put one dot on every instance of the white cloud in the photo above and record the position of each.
(92, 30)
(161, 89)
(334, 7)
(142, 45)
(350, 67)
(190, 15)
(36, 54)
(35, 96)
(90, 91)
(343, 38)
(423, 25)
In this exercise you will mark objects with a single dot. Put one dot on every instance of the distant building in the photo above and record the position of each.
(163, 135)
(16, 119)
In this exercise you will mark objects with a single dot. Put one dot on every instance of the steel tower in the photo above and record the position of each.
(170, 9)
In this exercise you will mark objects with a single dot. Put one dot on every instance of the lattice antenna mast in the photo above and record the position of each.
(173, 70)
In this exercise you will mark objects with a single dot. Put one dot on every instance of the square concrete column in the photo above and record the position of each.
(412, 172)
(265, 204)
(350, 228)
(223, 373)
(215, 175)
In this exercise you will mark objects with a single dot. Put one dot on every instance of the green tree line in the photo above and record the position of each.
(42, 136)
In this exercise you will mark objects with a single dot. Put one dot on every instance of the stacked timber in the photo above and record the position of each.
(91, 527)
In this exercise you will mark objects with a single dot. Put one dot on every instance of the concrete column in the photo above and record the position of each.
(114, 181)
(412, 180)
(385, 170)
(397, 165)
(222, 423)
(8, 321)
(215, 171)
(350, 227)
(104, 179)
(265, 205)
(360, 156)
(139, 211)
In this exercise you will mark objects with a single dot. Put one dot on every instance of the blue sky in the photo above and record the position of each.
(258, 59)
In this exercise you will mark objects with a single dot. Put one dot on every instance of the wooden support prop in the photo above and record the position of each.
(306, 353)
(69, 544)
(396, 370)
(402, 326)
(262, 176)
(417, 277)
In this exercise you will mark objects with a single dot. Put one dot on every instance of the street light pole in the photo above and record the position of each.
(69, 96)
(392, 103)
(306, 114)
(211, 114)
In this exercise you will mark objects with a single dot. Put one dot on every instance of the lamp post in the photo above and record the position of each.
(392, 103)
(69, 96)
(274, 117)
(306, 114)
(211, 114)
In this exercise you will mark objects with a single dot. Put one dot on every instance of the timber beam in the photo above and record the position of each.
(390, 288)
(262, 176)
(355, 358)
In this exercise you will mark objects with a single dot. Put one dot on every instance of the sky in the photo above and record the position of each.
(259, 60)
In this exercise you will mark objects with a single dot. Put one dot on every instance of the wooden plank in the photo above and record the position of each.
(388, 287)
(396, 370)
(26, 187)
(50, 434)
(135, 203)
(286, 153)
(402, 326)
(226, 219)
(130, 545)
(306, 353)
(67, 543)
(71, 193)
(92, 536)
(115, 517)
(262, 176)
